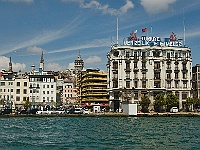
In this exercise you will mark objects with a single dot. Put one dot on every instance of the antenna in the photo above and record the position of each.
(117, 30)
(184, 31)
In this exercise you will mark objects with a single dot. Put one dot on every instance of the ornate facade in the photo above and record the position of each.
(148, 69)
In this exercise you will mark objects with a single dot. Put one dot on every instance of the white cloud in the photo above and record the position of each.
(92, 59)
(53, 66)
(19, 1)
(70, 65)
(35, 49)
(92, 44)
(4, 64)
(94, 4)
(156, 6)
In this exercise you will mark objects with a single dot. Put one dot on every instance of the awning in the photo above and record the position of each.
(104, 105)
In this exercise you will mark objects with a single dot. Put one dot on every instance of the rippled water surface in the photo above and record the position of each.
(99, 133)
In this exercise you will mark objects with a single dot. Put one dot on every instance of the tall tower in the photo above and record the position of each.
(10, 66)
(41, 63)
(78, 63)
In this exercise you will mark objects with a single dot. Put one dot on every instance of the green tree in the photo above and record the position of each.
(27, 104)
(197, 103)
(159, 103)
(171, 101)
(189, 103)
(145, 104)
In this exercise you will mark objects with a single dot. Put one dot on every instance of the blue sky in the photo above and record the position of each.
(61, 28)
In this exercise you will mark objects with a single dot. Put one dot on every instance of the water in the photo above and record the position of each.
(91, 133)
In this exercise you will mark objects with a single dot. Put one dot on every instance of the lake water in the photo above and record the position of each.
(52, 133)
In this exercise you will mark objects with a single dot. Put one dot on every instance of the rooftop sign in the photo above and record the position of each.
(172, 41)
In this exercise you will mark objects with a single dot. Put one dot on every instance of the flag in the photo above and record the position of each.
(144, 30)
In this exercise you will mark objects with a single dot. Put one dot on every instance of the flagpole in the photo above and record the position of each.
(151, 30)
(184, 31)
(147, 32)
(117, 30)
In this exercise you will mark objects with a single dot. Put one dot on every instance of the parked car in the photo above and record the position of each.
(78, 111)
(6, 111)
(174, 109)
(70, 111)
(85, 111)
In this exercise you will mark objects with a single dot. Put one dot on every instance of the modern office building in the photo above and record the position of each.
(149, 66)
(92, 85)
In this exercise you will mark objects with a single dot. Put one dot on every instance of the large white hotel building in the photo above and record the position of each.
(149, 66)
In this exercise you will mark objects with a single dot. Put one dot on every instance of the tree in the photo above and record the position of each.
(171, 101)
(159, 103)
(27, 104)
(145, 104)
(197, 103)
(189, 103)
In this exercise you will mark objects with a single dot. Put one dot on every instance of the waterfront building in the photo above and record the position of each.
(92, 85)
(148, 66)
(21, 93)
(196, 81)
(69, 95)
(42, 86)
(13, 88)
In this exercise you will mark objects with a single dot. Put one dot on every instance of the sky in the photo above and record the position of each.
(62, 28)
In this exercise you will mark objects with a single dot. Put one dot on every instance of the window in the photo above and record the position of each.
(25, 84)
(2, 83)
(184, 75)
(47, 92)
(127, 84)
(135, 75)
(168, 84)
(43, 92)
(176, 75)
(184, 67)
(144, 75)
(184, 84)
(51, 86)
(115, 84)
(168, 55)
(157, 84)
(176, 84)
(156, 75)
(127, 66)
(144, 65)
(51, 92)
(24, 98)
(25, 91)
(17, 98)
(143, 84)
(47, 86)
(184, 96)
(168, 75)
(135, 95)
(136, 84)
(135, 64)
(115, 65)
(156, 65)
(18, 91)
(44, 86)
(127, 54)
(18, 83)
(128, 75)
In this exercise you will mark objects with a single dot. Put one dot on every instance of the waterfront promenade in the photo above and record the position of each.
(110, 114)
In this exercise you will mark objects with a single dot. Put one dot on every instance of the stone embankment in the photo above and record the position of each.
(110, 114)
